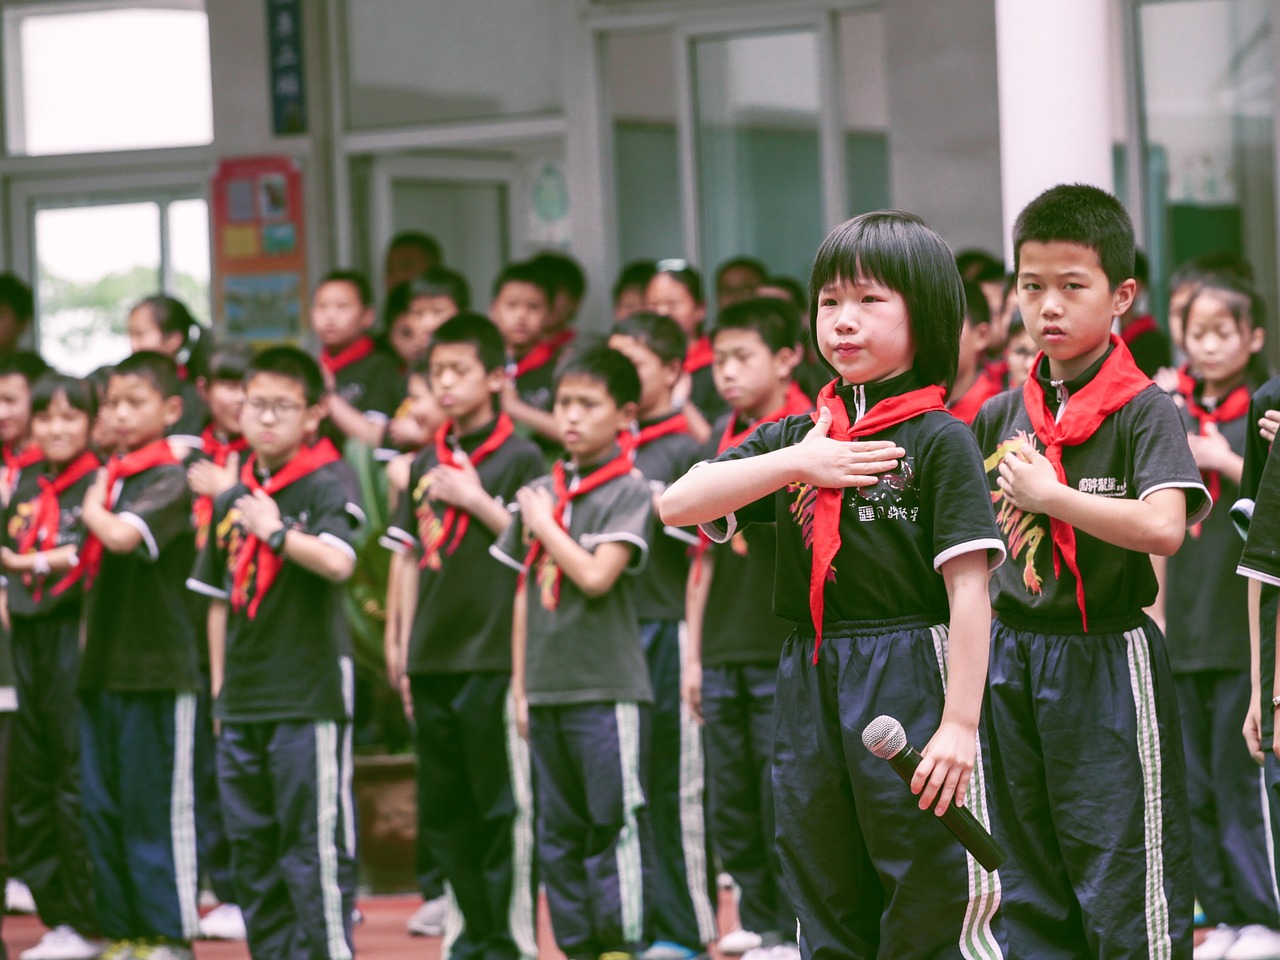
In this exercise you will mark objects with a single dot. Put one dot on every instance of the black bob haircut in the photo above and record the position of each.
(155, 368)
(526, 273)
(1084, 215)
(776, 321)
(229, 362)
(16, 295)
(353, 277)
(292, 364)
(976, 308)
(661, 335)
(685, 274)
(442, 282)
(562, 272)
(468, 328)
(898, 250)
(23, 363)
(82, 395)
(427, 244)
(1246, 306)
(741, 263)
(606, 366)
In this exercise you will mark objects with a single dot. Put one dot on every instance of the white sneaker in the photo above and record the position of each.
(63, 943)
(1254, 942)
(18, 898)
(1214, 945)
(428, 919)
(223, 922)
(740, 941)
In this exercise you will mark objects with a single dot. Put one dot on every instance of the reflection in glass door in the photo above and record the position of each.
(757, 101)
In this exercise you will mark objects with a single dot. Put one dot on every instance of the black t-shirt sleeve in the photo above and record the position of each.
(1261, 558)
(626, 521)
(953, 489)
(1256, 451)
(330, 518)
(210, 575)
(402, 531)
(161, 511)
(763, 439)
(1161, 456)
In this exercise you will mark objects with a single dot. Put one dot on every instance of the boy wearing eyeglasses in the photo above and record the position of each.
(280, 545)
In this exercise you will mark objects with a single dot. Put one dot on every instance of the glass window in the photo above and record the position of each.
(756, 110)
(414, 62)
(125, 77)
(865, 100)
(95, 262)
(646, 155)
(1208, 90)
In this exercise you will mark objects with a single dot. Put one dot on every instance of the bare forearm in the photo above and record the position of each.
(490, 512)
(1146, 526)
(519, 624)
(116, 535)
(355, 424)
(697, 589)
(968, 644)
(594, 572)
(535, 418)
(312, 553)
(713, 490)
(217, 629)
(1255, 635)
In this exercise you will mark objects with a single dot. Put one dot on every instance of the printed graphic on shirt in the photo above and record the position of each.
(430, 526)
(1023, 532)
(895, 496)
(232, 537)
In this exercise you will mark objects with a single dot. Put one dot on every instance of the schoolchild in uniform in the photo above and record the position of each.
(521, 302)
(280, 661)
(165, 325)
(568, 284)
(474, 806)
(683, 917)
(1090, 473)
(38, 545)
(735, 639)
(676, 291)
(18, 371)
(629, 288)
(213, 469)
(578, 670)
(883, 554)
(17, 306)
(976, 380)
(364, 384)
(138, 673)
(1206, 612)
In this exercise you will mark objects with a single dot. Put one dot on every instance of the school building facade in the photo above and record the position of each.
(616, 129)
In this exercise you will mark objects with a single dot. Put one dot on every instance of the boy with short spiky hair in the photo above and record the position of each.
(1090, 473)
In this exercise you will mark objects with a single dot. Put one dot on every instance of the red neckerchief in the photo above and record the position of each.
(986, 386)
(1186, 382)
(826, 515)
(795, 404)
(333, 362)
(42, 529)
(1231, 407)
(700, 354)
(543, 352)
(632, 441)
(619, 466)
(1117, 382)
(15, 463)
(1144, 324)
(457, 521)
(998, 370)
(219, 451)
(254, 553)
(154, 454)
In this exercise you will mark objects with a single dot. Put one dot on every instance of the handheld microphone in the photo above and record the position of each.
(885, 738)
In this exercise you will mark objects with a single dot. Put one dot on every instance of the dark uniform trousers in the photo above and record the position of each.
(286, 796)
(1089, 793)
(48, 848)
(870, 874)
(595, 846)
(475, 810)
(212, 845)
(738, 728)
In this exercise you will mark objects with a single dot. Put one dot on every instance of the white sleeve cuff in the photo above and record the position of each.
(994, 547)
(638, 559)
(135, 521)
(338, 544)
(503, 558)
(1258, 575)
(1242, 515)
(199, 586)
(1205, 506)
(721, 530)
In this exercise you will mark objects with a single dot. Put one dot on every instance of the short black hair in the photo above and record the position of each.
(81, 394)
(470, 328)
(23, 363)
(637, 273)
(354, 277)
(228, 362)
(976, 308)
(1081, 214)
(685, 274)
(743, 262)
(562, 272)
(1217, 263)
(978, 266)
(428, 244)
(606, 366)
(777, 321)
(794, 288)
(16, 295)
(659, 334)
(442, 282)
(524, 272)
(155, 368)
(1141, 268)
(293, 364)
(900, 251)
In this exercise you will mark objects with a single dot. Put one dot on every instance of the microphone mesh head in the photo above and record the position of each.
(884, 737)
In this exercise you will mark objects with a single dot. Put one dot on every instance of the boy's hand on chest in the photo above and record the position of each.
(1029, 480)
(260, 514)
